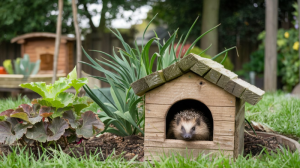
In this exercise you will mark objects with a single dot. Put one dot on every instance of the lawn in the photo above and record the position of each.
(277, 110)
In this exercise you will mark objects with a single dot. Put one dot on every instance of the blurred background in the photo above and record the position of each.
(29, 26)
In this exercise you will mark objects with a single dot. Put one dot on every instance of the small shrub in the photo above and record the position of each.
(57, 114)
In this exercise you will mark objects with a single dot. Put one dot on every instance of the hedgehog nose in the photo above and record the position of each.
(187, 136)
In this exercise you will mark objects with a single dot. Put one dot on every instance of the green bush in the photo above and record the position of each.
(287, 57)
(56, 115)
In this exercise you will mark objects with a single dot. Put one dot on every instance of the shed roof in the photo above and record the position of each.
(39, 34)
(207, 68)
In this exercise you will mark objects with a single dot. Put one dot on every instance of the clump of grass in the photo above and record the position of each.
(277, 110)
(58, 159)
(11, 103)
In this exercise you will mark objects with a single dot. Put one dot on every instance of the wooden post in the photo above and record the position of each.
(270, 74)
(78, 38)
(210, 18)
(57, 39)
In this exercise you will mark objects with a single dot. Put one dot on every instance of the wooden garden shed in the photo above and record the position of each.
(40, 45)
(202, 84)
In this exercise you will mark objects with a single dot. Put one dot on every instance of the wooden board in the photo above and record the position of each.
(252, 95)
(203, 65)
(236, 87)
(226, 77)
(239, 127)
(153, 151)
(187, 62)
(140, 86)
(172, 72)
(218, 113)
(13, 81)
(155, 79)
(157, 125)
(190, 86)
(219, 142)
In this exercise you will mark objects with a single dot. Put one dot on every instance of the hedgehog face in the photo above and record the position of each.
(188, 128)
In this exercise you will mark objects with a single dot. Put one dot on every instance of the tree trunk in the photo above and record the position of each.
(210, 18)
(78, 38)
(102, 19)
(57, 39)
(270, 74)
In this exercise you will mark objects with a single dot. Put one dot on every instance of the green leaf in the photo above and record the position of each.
(73, 74)
(57, 127)
(38, 87)
(37, 132)
(128, 118)
(64, 99)
(20, 115)
(91, 125)
(78, 83)
(81, 103)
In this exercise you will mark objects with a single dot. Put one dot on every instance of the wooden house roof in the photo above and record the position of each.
(204, 67)
(39, 34)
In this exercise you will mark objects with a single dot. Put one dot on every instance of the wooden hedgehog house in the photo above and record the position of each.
(202, 84)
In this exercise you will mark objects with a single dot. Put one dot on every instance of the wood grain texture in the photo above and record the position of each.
(252, 95)
(153, 152)
(190, 86)
(226, 76)
(223, 143)
(140, 86)
(158, 125)
(203, 65)
(239, 127)
(172, 72)
(213, 76)
(187, 62)
(155, 79)
(236, 87)
(218, 113)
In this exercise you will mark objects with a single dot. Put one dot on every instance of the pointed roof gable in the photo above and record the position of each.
(204, 67)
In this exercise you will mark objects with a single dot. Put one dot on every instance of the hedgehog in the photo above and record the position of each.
(189, 125)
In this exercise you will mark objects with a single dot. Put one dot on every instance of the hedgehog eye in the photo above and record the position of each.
(193, 128)
(182, 128)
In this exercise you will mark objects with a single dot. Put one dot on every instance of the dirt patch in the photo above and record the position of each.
(255, 144)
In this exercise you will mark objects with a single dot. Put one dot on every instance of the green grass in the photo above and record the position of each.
(61, 160)
(278, 111)
(11, 103)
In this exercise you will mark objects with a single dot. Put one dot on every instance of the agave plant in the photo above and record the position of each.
(130, 65)
(56, 115)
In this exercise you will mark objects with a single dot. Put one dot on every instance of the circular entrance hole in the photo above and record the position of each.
(187, 104)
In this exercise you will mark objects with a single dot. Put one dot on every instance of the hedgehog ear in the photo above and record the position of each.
(198, 121)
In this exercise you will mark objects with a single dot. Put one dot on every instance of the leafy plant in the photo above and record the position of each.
(287, 60)
(56, 115)
(126, 112)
